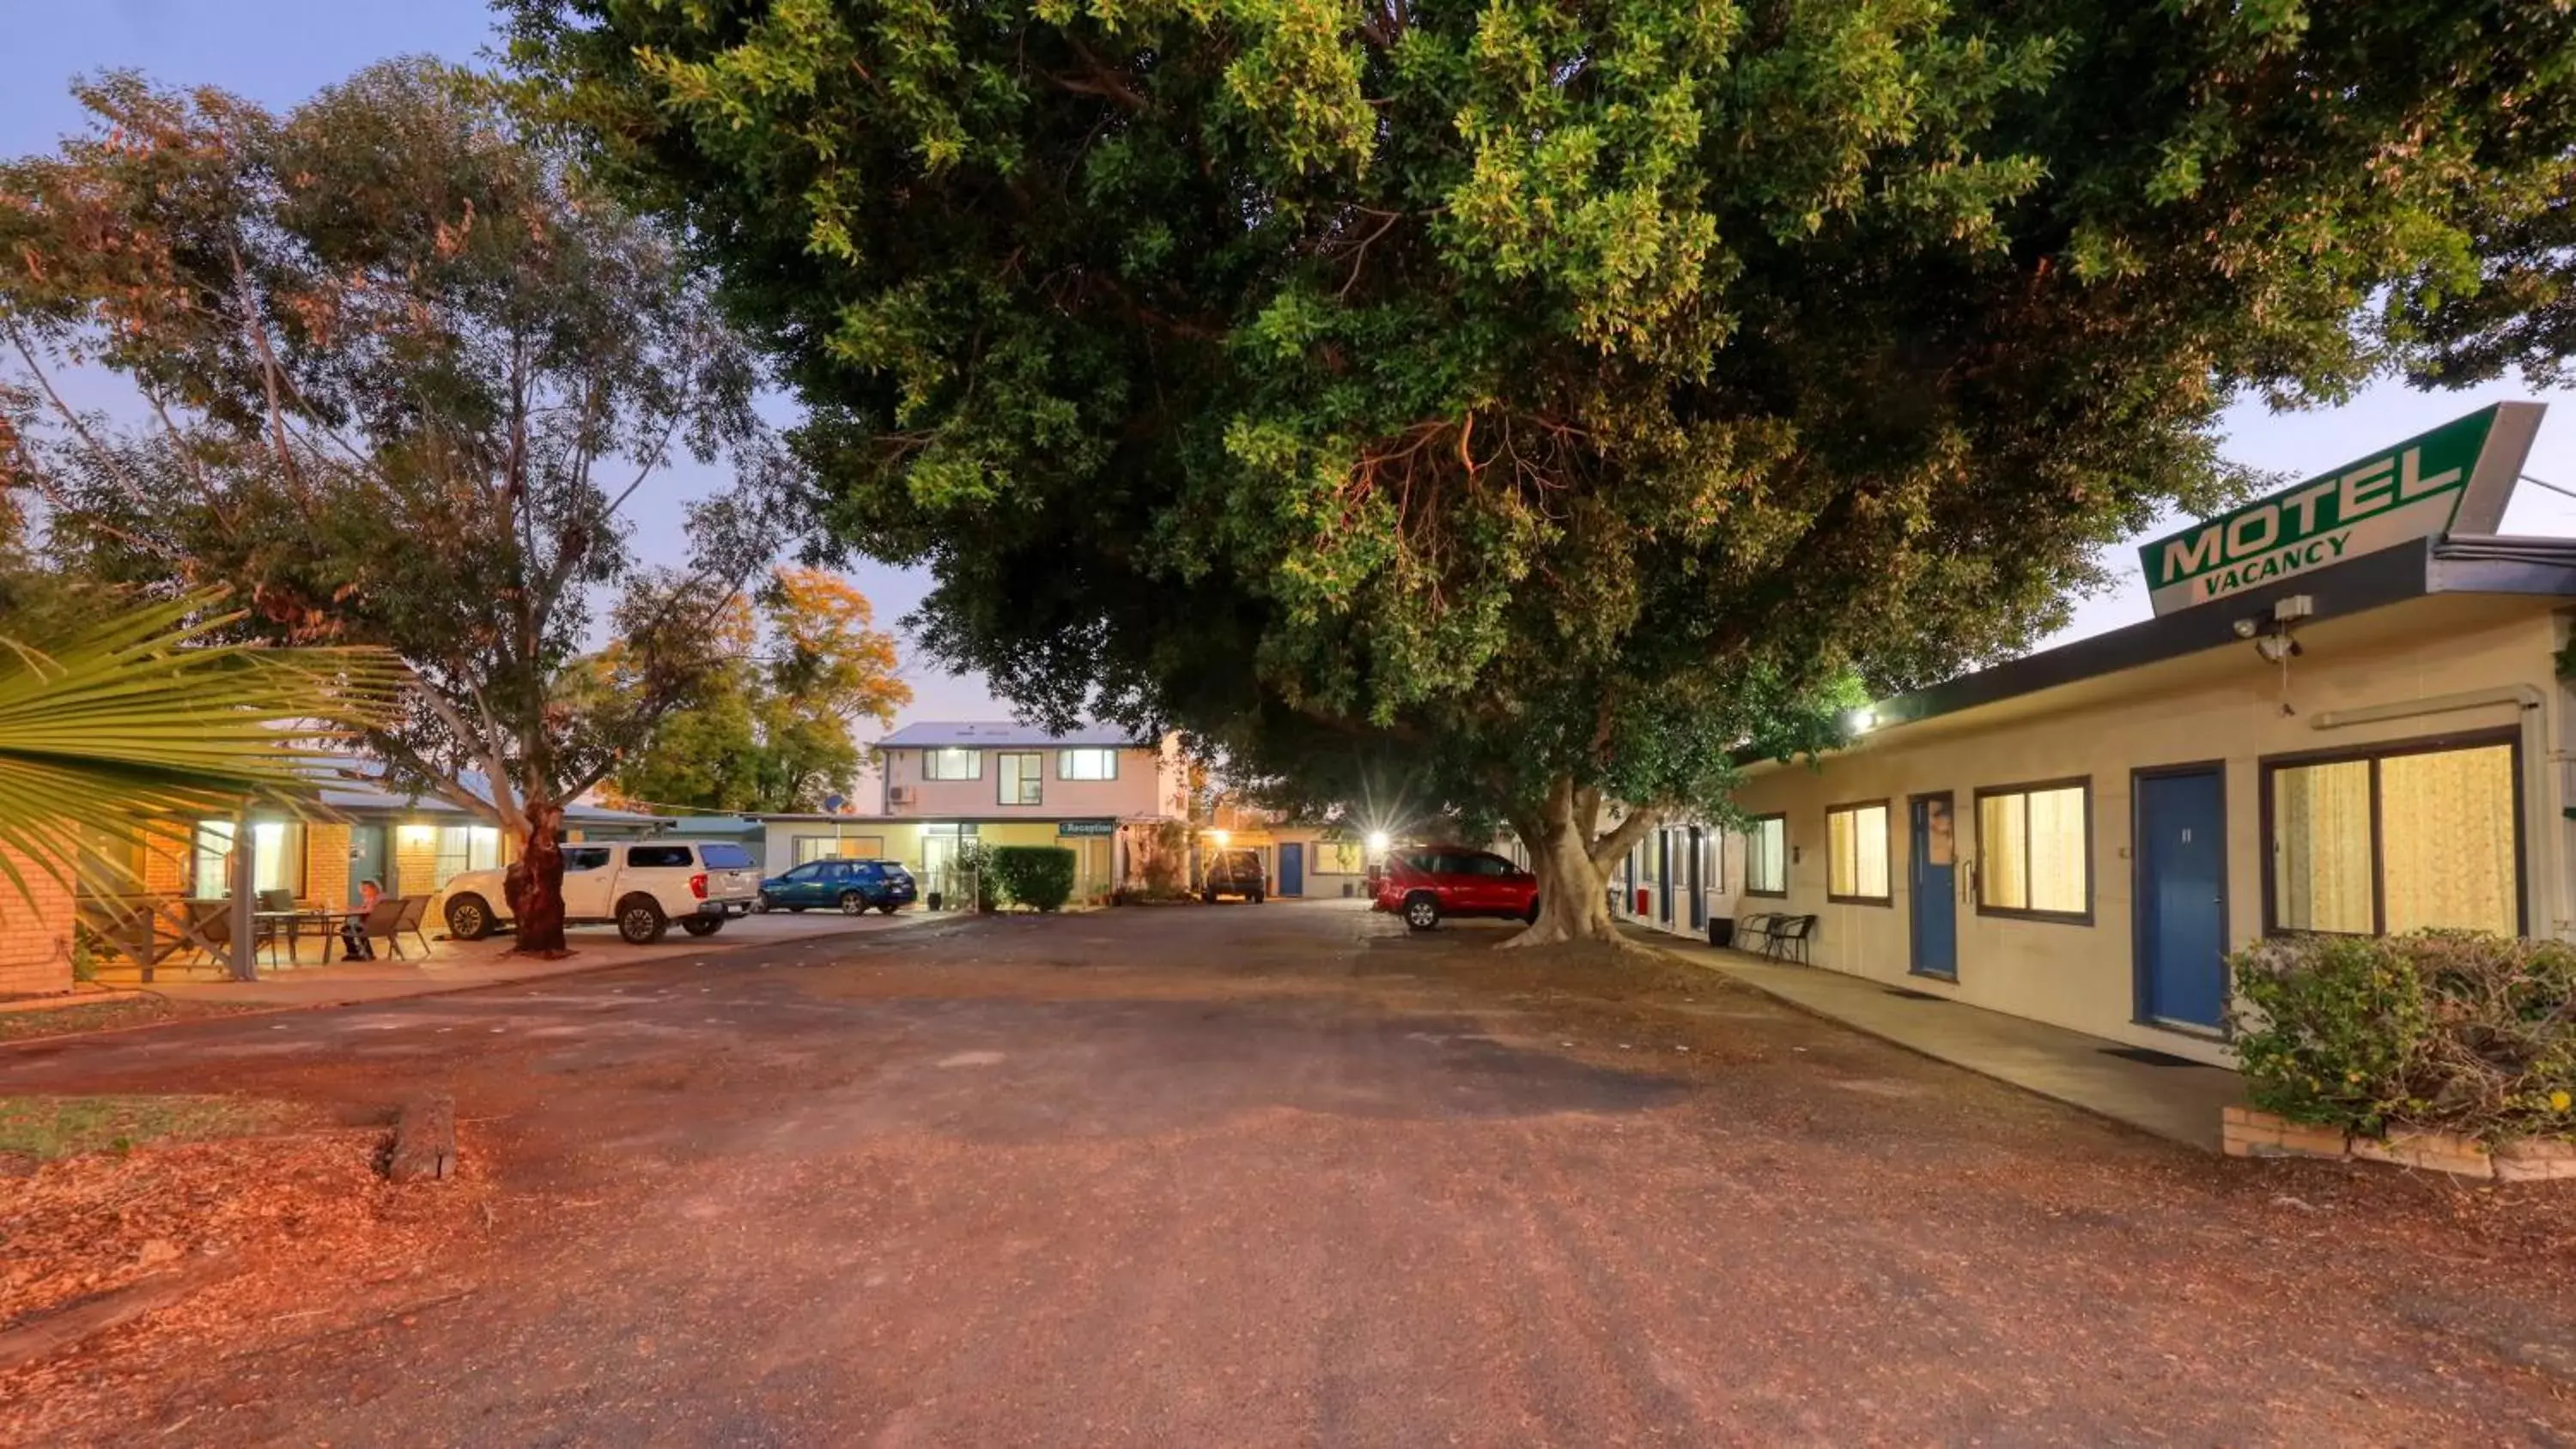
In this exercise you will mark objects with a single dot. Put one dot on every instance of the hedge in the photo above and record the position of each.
(1034, 875)
(2451, 1030)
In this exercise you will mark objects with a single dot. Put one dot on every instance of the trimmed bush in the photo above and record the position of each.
(1034, 875)
(2451, 1030)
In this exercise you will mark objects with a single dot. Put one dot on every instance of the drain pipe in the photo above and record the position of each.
(2543, 904)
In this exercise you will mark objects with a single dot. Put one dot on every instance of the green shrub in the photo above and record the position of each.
(1034, 875)
(2453, 1030)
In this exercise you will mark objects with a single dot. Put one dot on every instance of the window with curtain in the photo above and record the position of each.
(2397, 841)
(2035, 851)
(277, 857)
(952, 764)
(1766, 857)
(462, 848)
(1856, 853)
(1020, 777)
(1086, 764)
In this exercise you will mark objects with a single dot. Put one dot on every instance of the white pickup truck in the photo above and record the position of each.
(640, 885)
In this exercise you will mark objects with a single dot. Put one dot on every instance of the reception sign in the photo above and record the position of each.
(2455, 478)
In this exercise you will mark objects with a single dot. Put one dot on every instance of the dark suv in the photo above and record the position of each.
(853, 887)
(1234, 873)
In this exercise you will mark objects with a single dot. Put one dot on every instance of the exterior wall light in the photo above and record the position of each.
(1377, 840)
(1860, 721)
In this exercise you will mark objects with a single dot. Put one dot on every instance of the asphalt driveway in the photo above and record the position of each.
(1285, 1175)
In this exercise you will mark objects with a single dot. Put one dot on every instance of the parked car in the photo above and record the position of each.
(1424, 883)
(640, 886)
(852, 887)
(1234, 873)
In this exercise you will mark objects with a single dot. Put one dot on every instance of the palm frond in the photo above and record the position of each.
(142, 718)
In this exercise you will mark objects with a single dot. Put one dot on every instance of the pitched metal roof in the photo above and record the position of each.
(1002, 733)
(356, 784)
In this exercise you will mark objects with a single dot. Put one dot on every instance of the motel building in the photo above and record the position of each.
(2346, 715)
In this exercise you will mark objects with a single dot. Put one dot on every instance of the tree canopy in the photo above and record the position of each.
(1566, 399)
(771, 730)
(396, 373)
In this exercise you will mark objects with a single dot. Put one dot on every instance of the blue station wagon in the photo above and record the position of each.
(852, 887)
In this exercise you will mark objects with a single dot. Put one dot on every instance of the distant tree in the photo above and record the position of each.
(395, 374)
(1561, 402)
(771, 730)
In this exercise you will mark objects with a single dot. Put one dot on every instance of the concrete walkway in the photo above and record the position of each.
(2179, 1101)
(462, 965)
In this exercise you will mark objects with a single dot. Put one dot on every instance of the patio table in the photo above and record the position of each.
(325, 919)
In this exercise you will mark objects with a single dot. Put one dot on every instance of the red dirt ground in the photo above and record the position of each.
(1281, 1175)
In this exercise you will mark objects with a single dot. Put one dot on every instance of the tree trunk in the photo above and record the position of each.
(534, 884)
(1573, 865)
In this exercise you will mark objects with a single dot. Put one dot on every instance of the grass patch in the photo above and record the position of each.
(47, 1128)
(106, 1016)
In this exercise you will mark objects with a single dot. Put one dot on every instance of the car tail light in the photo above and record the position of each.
(698, 885)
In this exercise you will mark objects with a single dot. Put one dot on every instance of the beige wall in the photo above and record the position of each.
(1149, 782)
(2210, 707)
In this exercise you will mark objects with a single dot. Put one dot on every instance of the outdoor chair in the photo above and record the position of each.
(210, 931)
(1789, 938)
(384, 922)
(1753, 933)
(277, 899)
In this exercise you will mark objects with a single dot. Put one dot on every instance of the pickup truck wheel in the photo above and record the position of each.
(1421, 910)
(640, 921)
(853, 904)
(468, 918)
(1530, 916)
(702, 925)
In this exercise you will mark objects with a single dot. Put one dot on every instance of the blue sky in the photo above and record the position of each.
(278, 51)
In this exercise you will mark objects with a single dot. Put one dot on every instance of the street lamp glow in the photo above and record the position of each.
(1220, 837)
(1861, 721)
(1377, 840)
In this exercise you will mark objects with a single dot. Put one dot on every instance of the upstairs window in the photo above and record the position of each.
(952, 764)
(1086, 764)
(1021, 776)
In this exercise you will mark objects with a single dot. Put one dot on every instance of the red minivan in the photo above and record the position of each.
(1426, 882)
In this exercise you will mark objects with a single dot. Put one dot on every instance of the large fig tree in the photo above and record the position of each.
(1563, 398)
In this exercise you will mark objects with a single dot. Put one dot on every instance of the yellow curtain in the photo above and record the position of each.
(2447, 840)
(1870, 849)
(2002, 849)
(2321, 847)
(1842, 874)
(2057, 849)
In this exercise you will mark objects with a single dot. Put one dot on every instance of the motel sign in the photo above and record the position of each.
(2455, 478)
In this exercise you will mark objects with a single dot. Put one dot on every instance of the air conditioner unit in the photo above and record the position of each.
(899, 795)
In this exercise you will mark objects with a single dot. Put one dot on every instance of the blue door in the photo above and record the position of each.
(1292, 868)
(2182, 899)
(1934, 896)
(367, 861)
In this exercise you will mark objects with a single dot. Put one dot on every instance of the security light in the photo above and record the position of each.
(1377, 840)
(1860, 721)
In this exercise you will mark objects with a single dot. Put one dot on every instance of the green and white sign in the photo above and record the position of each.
(1072, 829)
(2455, 478)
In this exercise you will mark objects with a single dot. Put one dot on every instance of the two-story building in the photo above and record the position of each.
(1001, 783)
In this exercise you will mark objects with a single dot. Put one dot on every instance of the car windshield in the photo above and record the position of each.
(721, 855)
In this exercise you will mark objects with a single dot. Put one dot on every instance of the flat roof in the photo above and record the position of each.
(2456, 564)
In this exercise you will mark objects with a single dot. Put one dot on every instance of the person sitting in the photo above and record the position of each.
(354, 945)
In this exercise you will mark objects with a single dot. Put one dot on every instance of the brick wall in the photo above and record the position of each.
(35, 935)
(326, 863)
(415, 861)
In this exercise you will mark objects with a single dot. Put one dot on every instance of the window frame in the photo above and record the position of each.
(1753, 853)
(974, 763)
(1887, 834)
(1032, 780)
(2092, 874)
(2267, 766)
(1067, 752)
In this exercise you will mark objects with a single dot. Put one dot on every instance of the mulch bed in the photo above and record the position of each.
(284, 1234)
